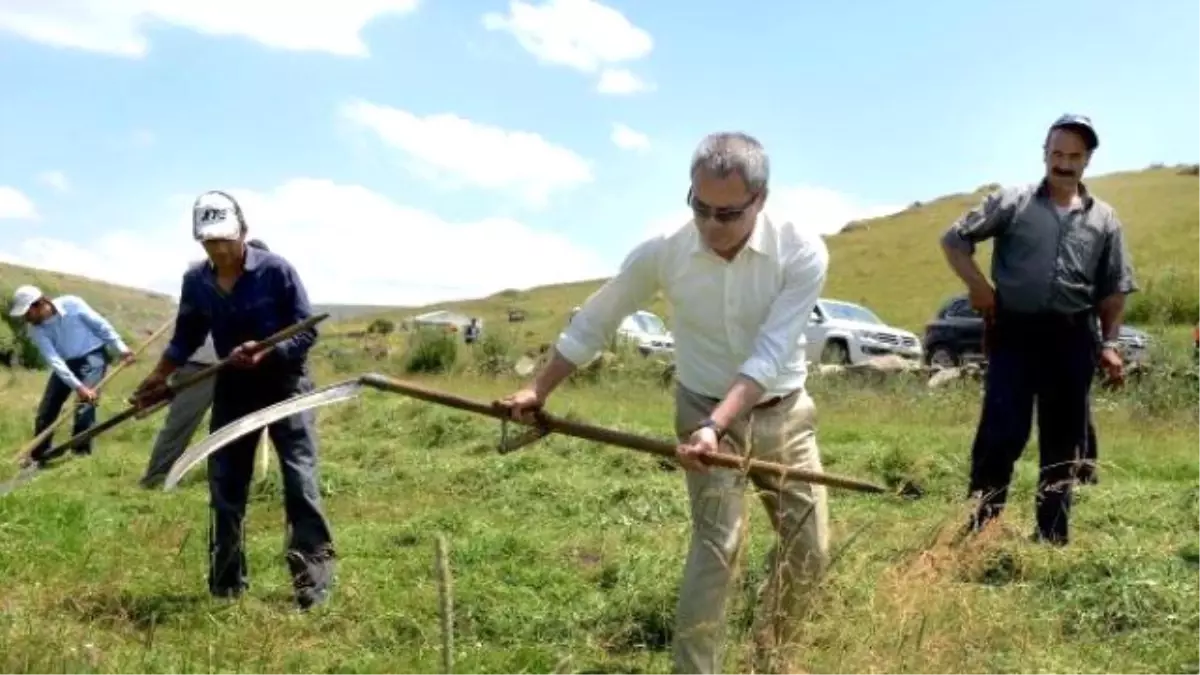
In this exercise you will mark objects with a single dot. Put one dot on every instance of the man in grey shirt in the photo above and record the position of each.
(186, 411)
(1059, 262)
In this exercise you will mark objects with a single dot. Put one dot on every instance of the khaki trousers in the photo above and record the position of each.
(783, 433)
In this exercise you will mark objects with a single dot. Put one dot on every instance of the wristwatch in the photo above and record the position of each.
(712, 424)
(1111, 344)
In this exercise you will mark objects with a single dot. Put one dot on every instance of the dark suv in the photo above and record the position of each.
(955, 336)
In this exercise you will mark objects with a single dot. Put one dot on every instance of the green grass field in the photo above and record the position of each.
(565, 555)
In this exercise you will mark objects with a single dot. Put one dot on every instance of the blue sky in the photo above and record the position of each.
(401, 151)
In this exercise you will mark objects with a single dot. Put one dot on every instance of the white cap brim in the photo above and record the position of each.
(20, 308)
(227, 230)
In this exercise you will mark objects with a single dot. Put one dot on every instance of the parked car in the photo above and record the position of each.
(845, 333)
(648, 332)
(955, 336)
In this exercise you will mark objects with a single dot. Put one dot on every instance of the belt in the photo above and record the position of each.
(764, 404)
(775, 400)
(82, 357)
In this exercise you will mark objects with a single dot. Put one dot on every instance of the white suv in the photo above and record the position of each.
(845, 333)
(648, 332)
(645, 330)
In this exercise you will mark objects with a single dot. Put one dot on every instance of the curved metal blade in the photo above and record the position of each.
(333, 393)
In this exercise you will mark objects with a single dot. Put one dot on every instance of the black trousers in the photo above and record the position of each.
(90, 369)
(1043, 360)
(231, 469)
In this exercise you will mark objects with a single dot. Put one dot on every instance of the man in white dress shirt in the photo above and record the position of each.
(741, 287)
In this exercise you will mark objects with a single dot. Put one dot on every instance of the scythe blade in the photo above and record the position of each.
(333, 393)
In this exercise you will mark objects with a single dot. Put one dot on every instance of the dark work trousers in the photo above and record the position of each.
(90, 369)
(1089, 452)
(230, 470)
(1049, 360)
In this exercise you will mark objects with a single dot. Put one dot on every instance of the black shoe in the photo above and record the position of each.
(312, 575)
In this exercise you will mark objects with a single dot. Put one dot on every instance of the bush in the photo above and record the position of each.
(381, 326)
(14, 340)
(494, 353)
(1170, 297)
(431, 350)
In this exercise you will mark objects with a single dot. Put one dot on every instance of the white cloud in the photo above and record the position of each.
(628, 139)
(827, 211)
(581, 34)
(15, 205)
(460, 151)
(55, 179)
(349, 244)
(621, 82)
(118, 27)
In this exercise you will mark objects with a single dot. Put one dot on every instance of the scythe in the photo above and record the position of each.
(543, 425)
(333, 393)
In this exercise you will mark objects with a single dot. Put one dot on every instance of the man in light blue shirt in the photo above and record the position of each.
(71, 337)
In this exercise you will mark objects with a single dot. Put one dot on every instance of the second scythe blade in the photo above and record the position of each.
(333, 393)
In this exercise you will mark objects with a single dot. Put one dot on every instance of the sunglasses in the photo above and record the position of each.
(723, 214)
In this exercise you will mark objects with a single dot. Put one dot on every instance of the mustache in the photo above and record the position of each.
(1064, 173)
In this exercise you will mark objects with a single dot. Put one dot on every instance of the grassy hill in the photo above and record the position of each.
(566, 556)
(133, 312)
(891, 264)
(894, 264)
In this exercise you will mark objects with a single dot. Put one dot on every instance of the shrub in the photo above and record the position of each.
(494, 353)
(381, 326)
(431, 350)
(13, 337)
(1170, 297)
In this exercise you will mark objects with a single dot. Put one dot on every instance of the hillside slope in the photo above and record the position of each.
(894, 264)
(135, 313)
(891, 264)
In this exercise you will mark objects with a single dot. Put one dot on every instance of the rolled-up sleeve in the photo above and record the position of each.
(191, 325)
(1116, 271)
(603, 311)
(987, 219)
(779, 337)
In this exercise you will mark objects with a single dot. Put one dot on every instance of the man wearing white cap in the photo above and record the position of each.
(71, 337)
(242, 294)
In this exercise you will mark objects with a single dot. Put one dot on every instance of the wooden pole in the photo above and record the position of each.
(619, 438)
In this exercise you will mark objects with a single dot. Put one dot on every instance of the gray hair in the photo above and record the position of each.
(726, 152)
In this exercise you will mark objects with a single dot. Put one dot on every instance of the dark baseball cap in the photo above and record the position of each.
(1081, 124)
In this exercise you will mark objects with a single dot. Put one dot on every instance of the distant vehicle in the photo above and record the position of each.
(955, 336)
(648, 332)
(845, 333)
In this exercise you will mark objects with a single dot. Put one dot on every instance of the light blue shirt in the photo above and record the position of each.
(75, 331)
